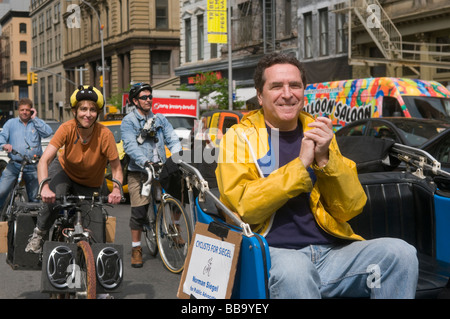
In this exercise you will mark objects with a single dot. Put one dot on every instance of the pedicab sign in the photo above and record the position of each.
(210, 265)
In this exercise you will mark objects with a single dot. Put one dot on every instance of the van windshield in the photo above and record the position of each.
(179, 122)
(428, 107)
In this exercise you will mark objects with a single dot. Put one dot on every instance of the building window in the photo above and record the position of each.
(120, 16)
(23, 67)
(213, 48)
(107, 21)
(42, 81)
(23, 47)
(48, 18)
(160, 62)
(188, 39)
(200, 38)
(23, 92)
(307, 18)
(323, 30)
(23, 28)
(128, 15)
(36, 95)
(34, 27)
(50, 92)
(57, 12)
(288, 17)
(58, 84)
(49, 51)
(341, 40)
(41, 23)
(58, 47)
(162, 17)
(245, 23)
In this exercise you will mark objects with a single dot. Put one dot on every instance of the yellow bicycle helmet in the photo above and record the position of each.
(87, 93)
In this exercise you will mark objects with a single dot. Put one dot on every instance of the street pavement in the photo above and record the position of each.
(152, 281)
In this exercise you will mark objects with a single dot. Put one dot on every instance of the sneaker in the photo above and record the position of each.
(136, 257)
(35, 242)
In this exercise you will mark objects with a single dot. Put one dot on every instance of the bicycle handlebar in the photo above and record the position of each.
(25, 158)
(101, 198)
(152, 170)
(202, 185)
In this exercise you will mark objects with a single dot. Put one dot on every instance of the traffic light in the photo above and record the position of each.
(29, 77)
(34, 78)
(101, 80)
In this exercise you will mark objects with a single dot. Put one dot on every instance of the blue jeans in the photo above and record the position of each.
(9, 176)
(384, 268)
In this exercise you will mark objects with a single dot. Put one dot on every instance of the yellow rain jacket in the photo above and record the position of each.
(336, 197)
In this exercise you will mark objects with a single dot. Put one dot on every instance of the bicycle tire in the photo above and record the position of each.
(150, 238)
(85, 260)
(173, 233)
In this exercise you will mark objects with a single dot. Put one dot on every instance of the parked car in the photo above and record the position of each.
(184, 126)
(432, 136)
(114, 126)
(439, 147)
(54, 124)
(213, 124)
(407, 131)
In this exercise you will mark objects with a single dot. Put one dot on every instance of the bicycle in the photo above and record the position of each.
(71, 269)
(168, 229)
(18, 193)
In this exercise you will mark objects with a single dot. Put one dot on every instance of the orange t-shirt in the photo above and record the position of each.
(85, 163)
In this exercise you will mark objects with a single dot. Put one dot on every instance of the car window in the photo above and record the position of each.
(383, 131)
(228, 122)
(418, 132)
(181, 122)
(443, 150)
(358, 130)
(115, 129)
(428, 107)
(54, 125)
(391, 107)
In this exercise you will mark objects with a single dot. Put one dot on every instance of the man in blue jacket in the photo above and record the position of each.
(144, 135)
(23, 134)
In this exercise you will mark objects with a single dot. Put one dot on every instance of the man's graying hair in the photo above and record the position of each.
(272, 59)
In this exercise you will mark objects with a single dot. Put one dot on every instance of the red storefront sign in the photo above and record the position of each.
(175, 106)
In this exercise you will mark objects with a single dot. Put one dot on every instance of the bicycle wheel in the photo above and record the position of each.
(85, 260)
(173, 234)
(150, 237)
(17, 195)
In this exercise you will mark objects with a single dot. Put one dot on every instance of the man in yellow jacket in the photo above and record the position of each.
(282, 172)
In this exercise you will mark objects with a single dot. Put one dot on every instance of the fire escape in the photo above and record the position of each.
(370, 16)
(254, 17)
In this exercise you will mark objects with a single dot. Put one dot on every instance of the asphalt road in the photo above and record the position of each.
(152, 281)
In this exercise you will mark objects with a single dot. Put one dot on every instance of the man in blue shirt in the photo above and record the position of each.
(144, 143)
(22, 134)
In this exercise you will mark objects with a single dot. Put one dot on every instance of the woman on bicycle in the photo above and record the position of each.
(88, 146)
